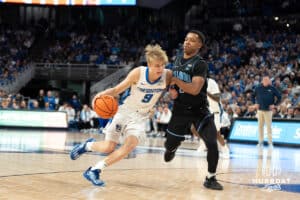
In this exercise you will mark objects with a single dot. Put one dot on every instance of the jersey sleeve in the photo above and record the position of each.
(200, 69)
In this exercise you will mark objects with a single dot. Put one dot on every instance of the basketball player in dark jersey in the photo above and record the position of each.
(190, 113)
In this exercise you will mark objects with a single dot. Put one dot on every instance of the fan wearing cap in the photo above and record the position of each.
(190, 109)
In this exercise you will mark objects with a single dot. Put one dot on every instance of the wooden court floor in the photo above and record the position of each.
(36, 165)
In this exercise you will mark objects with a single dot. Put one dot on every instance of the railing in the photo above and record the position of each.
(106, 75)
(109, 81)
(59, 71)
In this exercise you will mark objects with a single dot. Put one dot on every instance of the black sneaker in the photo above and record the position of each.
(169, 155)
(212, 183)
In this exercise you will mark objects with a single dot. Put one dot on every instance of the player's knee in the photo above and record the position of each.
(110, 147)
(212, 145)
(129, 146)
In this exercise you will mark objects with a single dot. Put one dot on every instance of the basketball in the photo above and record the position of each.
(106, 106)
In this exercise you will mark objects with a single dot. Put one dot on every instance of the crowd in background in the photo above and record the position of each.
(14, 46)
(237, 61)
(109, 45)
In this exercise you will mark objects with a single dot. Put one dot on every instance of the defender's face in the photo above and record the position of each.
(192, 43)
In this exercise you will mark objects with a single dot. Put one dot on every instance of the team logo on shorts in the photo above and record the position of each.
(118, 127)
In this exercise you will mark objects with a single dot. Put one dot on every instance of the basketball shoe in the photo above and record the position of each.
(93, 176)
(80, 149)
(212, 183)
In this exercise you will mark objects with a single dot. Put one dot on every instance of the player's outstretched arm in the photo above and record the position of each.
(192, 88)
(131, 79)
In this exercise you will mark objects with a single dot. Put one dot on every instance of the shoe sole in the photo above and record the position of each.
(170, 159)
(208, 187)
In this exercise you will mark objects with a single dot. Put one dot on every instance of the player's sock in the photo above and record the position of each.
(100, 165)
(88, 146)
(210, 175)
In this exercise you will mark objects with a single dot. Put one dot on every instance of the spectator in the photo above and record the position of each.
(50, 100)
(290, 113)
(251, 113)
(275, 113)
(164, 119)
(266, 97)
(86, 116)
(41, 99)
(75, 103)
(297, 113)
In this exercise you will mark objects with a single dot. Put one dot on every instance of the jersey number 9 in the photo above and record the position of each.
(147, 98)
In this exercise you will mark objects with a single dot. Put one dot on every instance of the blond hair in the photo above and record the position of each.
(155, 52)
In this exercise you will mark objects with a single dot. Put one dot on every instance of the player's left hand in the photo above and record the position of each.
(173, 92)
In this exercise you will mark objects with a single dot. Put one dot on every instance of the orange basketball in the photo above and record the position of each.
(106, 106)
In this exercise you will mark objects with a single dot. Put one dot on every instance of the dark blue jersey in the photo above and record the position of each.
(185, 70)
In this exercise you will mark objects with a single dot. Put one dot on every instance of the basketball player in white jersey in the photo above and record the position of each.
(213, 97)
(146, 86)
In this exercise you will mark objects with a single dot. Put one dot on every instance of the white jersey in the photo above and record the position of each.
(213, 88)
(143, 95)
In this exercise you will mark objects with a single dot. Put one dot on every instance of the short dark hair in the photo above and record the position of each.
(200, 35)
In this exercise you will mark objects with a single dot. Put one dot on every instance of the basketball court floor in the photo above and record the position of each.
(36, 165)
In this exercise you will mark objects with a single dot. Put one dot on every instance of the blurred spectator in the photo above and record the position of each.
(86, 116)
(297, 113)
(282, 111)
(290, 113)
(5, 103)
(251, 113)
(75, 103)
(49, 101)
(225, 124)
(34, 105)
(41, 99)
(23, 105)
(163, 120)
(275, 113)
(157, 116)
(66, 107)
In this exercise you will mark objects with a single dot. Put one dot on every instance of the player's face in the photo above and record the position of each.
(192, 43)
(156, 68)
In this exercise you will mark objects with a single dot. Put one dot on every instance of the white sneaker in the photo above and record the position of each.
(259, 145)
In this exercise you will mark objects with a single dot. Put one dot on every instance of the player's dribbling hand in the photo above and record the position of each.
(173, 92)
(95, 97)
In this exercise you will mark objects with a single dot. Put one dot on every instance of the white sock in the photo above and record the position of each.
(88, 146)
(210, 175)
(100, 165)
